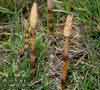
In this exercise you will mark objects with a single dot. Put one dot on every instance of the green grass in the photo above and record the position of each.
(84, 76)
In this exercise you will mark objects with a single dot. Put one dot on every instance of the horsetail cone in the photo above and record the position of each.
(68, 26)
(33, 18)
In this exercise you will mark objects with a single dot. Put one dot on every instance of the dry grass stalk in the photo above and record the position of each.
(67, 34)
(50, 5)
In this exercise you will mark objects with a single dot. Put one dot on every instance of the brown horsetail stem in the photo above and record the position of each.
(29, 34)
(33, 20)
(50, 5)
(67, 34)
